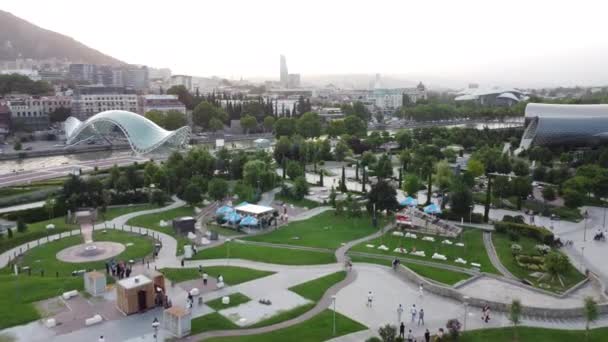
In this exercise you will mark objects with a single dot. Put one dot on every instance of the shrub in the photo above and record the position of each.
(449, 215)
(373, 339)
(453, 326)
(539, 234)
(388, 333)
(21, 226)
(514, 219)
(513, 236)
(515, 249)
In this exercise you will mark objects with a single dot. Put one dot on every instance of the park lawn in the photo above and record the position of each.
(210, 322)
(152, 221)
(533, 334)
(18, 293)
(316, 288)
(302, 203)
(35, 231)
(233, 275)
(44, 257)
(114, 212)
(439, 275)
(502, 244)
(326, 230)
(473, 250)
(318, 328)
(272, 255)
(236, 299)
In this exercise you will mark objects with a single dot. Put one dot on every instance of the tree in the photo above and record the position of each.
(158, 197)
(248, 122)
(150, 173)
(368, 159)
(384, 167)
(411, 185)
(461, 198)
(284, 127)
(205, 112)
(515, 315)
(341, 151)
(556, 264)
(183, 95)
(192, 194)
(335, 128)
(591, 314)
(521, 187)
(354, 126)
(49, 206)
(294, 170)
(309, 125)
(215, 125)
(9, 233)
(123, 184)
(384, 196)
(60, 114)
(218, 188)
(156, 116)
(17, 146)
(521, 168)
(343, 181)
(549, 193)
(300, 188)
(388, 333)
(253, 172)
(21, 226)
(174, 120)
(269, 123)
(403, 138)
(405, 157)
(475, 168)
(443, 175)
(245, 192)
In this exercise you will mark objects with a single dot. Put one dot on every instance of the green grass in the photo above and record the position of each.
(315, 289)
(114, 212)
(302, 203)
(473, 250)
(437, 274)
(272, 255)
(533, 334)
(236, 299)
(18, 293)
(283, 316)
(325, 230)
(318, 328)
(34, 232)
(210, 322)
(502, 243)
(233, 275)
(152, 221)
(43, 257)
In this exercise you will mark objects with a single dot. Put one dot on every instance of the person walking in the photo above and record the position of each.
(402, 330)
(410, 336)
(413, 312)
(427, 336)
(399, 313)
(205, 278)
(370, 298)
(421, 316)
(420, 291)
(101, 339)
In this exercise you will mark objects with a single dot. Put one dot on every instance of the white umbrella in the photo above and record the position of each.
(50, 226)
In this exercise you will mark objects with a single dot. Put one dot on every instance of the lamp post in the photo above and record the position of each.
(228, 250)
(466, 304)
(155, 325)
(333, 300)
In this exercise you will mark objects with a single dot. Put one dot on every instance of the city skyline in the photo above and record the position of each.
(444, 44)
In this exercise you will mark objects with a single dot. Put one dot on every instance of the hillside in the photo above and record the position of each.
(21, 38)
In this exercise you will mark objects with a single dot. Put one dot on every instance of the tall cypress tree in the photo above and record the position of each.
(363, 181)
(343, 181)
(357, 171)
(321, 178)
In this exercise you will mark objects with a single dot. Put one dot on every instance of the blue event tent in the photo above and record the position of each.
(432, 209)
(224, 210)
(233, 218)
(249, 221)
(409, 201)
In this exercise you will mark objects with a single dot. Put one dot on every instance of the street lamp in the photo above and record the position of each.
(333, 300)
(228, 250)
(155, 325)
(466, 304)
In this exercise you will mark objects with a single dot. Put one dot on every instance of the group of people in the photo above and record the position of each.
(485, 313)
(600, 236)
(414, 312)
(120, 269)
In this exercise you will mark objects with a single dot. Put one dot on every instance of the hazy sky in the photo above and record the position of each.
(520, 43)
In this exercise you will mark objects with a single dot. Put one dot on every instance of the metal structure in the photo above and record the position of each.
(557, 124)
(143, 135)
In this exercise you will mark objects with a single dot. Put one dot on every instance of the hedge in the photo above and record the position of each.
(449, 215)
(539, 234)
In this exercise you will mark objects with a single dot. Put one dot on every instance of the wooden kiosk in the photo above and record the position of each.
(135, 294)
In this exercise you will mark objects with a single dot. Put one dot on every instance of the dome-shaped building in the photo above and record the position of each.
(143, 135)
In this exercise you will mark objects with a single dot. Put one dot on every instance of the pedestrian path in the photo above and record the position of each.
(489, 245)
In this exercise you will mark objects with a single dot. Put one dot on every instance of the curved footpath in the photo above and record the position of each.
(487, 242)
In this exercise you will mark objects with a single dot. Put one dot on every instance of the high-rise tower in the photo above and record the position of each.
(284, 72)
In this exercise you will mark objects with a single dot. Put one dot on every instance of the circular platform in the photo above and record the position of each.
(93, 251)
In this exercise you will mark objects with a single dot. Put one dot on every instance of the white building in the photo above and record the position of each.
(163, 103)
(85, 106)
(392, 99)
(184, 80)
(32, 113)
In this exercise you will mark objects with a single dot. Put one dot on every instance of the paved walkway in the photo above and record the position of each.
(487, 242)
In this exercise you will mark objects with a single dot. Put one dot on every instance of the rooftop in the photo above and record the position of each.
(254, 209)
(134, 282)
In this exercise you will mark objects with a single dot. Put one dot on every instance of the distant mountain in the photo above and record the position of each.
(19, 38)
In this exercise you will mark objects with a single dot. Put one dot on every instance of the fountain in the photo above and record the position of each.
(90, 251)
